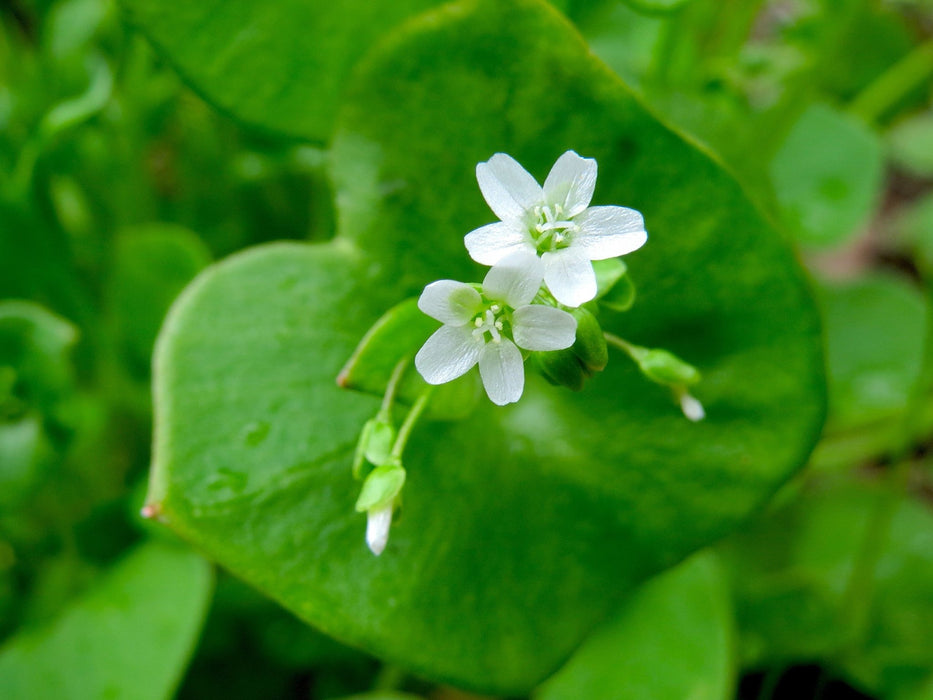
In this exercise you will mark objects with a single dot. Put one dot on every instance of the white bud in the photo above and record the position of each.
(691, 407)
(378, 522)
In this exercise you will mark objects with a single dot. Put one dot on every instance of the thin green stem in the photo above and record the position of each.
(392, 387)
(883, 93)
(410, 421)
(622, 344)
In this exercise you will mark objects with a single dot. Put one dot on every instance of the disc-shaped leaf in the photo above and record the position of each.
(129, 637)
(520, 526)
(277, 64)
(672, 639)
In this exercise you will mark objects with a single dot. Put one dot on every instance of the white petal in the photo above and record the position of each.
(448, 354)
(507, 187)
(571, 183)
(377, 529)
(570, 276)
(453, 303)
(537, 327)
(500, 366)
(515, 279)
(488, 244)
(607, 232)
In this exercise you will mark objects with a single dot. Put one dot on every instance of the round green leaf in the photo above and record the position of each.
(521, 526)
(870, 381)
(827, 176)
(911, 144)
(130, 636)
(278, 64)
(673, 638)
(792, 577)
(152, 264)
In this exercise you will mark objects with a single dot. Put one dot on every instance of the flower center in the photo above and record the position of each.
(552, 232)
(490, 322)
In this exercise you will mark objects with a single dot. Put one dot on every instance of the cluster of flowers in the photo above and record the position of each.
(541, 254)
(530, 305)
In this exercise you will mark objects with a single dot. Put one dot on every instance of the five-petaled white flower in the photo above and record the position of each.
(555, 222)
(489, 328)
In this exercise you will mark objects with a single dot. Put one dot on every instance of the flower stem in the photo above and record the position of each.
(410, 421)
(622, 344)
(894, 84)
(392, 387)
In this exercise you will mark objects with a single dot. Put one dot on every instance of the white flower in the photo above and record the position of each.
(555, 222)
(489, 328)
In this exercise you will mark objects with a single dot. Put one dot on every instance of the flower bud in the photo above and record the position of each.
(590, 344)
(374, 445)
(381, 487)
(561, 367)
(664, 367)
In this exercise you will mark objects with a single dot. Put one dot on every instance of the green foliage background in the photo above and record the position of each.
(590, 545)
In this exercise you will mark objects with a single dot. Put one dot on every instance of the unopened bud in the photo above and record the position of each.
(378, 522)
(691, 407)
(561, 367)
(381, 487)
(664, 367)
(590, 344)
(375, 444)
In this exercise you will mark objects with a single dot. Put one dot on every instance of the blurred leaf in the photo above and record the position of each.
(254, 439)
(383, 695)
(22, 449)
(622, 37)
(71, 24)
(280, 64)
(35, 344)
(911, 144)
(791, 575)
(869, 381)
(827, 176)
(656, 6)
(152, 264)
(672, 638)
(129, 637)
(75, 110)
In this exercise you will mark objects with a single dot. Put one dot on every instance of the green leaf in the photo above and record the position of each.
(911, 144)
(792, 577)
(129, 637)
(22, 449)
(827, 176)
(36, 345)
(656, 6)
(870, 381)
(279, 64)
(498, 567)
(152, 264)
(672, 638)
